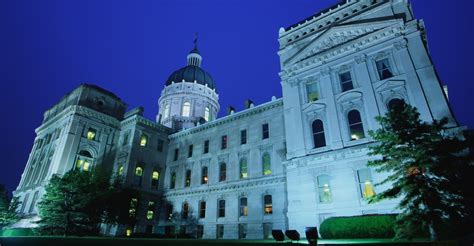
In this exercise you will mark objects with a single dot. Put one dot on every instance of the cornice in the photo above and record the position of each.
(229, 118)
(236, 186)
(137, 119)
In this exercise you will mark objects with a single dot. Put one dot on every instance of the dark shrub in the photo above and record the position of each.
(365, 226)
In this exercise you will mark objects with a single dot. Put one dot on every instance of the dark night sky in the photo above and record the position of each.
(47, 48)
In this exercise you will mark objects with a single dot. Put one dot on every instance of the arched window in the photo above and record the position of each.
(355, 125)
(155, 177)
(84, 161)
(166, 114)
(186, 109)
(318, 134)
(324, 189)
(185, 211)
(365, 183)
(173, 180)
(267, 204)
(187, 181)
(207, 114)
(137, 179)
(204, 177)
(243, 168)
(396, 104)
(266, 164)
(222, 172)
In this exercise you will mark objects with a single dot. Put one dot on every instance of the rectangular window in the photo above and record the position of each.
(242, 231)
(222, 172)
(243, 137)
(173, 180)
(365, 183)
(90, 134)
(346, 81)
(265, 131)
(204, 177)
(132, 212)
(221, 208)
(126, 136)
(143, 140)
(244, 210)
(220, 231)
(312, 92)
(150, 214)
(190, 151)
(202, 209)
(224, 142)
(267, 230)
(187, 181)
(199, 231)
(206, 147)
(268, 206)
(324, 189)
(176, 154)
(159, 146)
(243, 168)
(383, 68)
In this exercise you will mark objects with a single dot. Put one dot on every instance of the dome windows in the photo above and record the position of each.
(186, 111)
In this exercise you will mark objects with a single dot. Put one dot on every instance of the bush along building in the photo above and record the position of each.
(289, 163)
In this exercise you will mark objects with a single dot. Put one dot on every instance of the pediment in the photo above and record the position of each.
(339, 35)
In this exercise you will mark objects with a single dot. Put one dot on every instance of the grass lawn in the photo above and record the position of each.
(104, 241)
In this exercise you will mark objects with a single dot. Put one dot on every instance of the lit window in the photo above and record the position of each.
(365, 183)
(396, 104)
(312, 92)
(355, 125)
(346, 81)
(318, 134)
(173, 180)
(129, 232)
(243, 168)
(202, 209)
(185, 211)
(155, 177)
(137, 180)
(167, 111)
(84, 161)
(187, 181)
(221, 208)
(224, 142)
(265, 131)
(186, 109)
(268, 206)
(143, 140)
(243, 137)
(267, 167)
(207, 113)
(91, 134)
(244, 210)
(150, 214)
(204, 177)
(132, 212)
(324, 189)
(120, 170)
(222, 172)
(383, 68)
(206, 147)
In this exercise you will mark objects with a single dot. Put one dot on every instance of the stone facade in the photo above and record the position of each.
(286, 164)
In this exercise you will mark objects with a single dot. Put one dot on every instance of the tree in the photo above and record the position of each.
(427, 168)
(73, 204)
(8, 208)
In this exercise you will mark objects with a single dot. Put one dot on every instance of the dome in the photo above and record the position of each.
(191, 73)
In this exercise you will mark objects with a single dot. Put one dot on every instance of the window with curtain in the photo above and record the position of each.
(268, 206)
(244, 210)
(383, 68)
(312, 92)
(365, 183)
(324, 189)
(243, 168)
(155, 177)
(186, 112)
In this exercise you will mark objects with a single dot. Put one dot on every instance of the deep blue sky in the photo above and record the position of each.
(47, 48)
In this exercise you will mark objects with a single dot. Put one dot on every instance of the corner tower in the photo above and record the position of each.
(189, 97)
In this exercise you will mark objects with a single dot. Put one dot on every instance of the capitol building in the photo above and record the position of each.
(289, 163)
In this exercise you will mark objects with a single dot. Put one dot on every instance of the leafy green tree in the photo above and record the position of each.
(427, 167)
(8, 208)
(73, 204)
